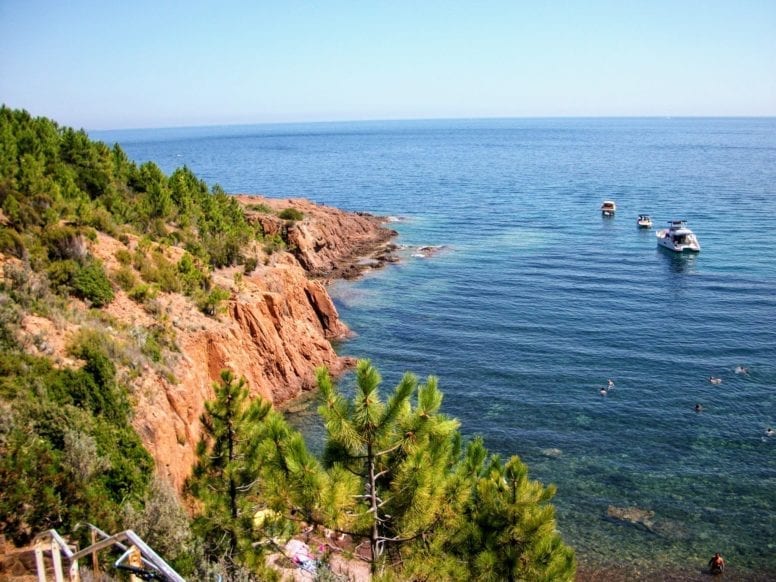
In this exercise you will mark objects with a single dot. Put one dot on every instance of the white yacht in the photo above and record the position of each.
(644, 221)
(678, 237)
(608, 208)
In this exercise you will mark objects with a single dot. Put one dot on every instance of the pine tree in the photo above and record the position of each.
(224, 478)
(508, 530)
(402, 456)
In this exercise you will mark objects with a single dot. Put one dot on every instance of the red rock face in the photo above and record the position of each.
(276, 331)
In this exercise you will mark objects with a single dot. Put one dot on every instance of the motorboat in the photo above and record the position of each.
(608, 208)
(678, 237)
(644, 221)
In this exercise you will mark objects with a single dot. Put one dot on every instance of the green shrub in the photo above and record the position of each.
(96, 388)
(158, 338)
(210, 302)
(65, 242)
(291, 214)
(165, 273)
(91, 283)
(250, 265)
(12, 243)
(102, 220)
(192, 278)
(124, 257)
(142, 293)
(263, 208)
(125, 278)
(273, 243)
(61, 275)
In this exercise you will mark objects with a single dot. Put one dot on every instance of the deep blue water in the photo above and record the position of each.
(538, 300)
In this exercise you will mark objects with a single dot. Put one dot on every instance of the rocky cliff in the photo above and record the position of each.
(276, 327)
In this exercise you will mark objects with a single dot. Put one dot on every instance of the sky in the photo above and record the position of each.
(101, 64)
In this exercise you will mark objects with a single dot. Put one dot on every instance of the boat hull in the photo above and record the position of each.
(667, 243)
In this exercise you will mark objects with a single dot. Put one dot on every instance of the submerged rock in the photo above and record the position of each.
(641, 518)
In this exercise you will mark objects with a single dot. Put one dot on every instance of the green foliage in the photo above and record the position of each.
(250, 265)
(125, 278)
(192, 275)
(209, 302)
(273, 244)
(12, 243)
(448, 515)
(91, 283)
(158, 339)
(97, 390)
(164, 525)
(124, 257)
(65, 243)
(50, 174)
(393, 473)
(87, 281)
(291, 213)
(67, 451)
(142, 293)
(508, 528)
(400, 453)
(225, 474)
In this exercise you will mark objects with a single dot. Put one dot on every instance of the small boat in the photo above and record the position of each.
(608, 208)
(678, 237)
(644, 221)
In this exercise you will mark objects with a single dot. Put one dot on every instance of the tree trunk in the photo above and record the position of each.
(373, 538)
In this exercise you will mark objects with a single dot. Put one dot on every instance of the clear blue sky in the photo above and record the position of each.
(113, 64)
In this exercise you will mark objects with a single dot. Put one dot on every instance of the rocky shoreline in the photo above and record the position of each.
(277, 328)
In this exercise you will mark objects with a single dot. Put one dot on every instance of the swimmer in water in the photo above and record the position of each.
(715, 380)
(770, 432)
(603, 391)
(698, 407)
(611, 384)
(716, 564)
(741, 370)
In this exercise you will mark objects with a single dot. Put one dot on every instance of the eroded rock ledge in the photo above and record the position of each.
(328, 243)
(276, 330)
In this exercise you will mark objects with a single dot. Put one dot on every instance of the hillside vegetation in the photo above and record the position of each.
(396, 478)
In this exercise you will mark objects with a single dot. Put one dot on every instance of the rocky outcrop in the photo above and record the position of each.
(275, 331)
(327, 242)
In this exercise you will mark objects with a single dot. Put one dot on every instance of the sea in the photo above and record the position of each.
(531, 301)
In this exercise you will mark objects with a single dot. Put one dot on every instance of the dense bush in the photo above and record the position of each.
(11, 243)
(291, 214)
(91, 283)
(210, 302)
(67, 451)
(50, 174)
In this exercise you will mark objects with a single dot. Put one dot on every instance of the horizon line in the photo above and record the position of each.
(419, 119)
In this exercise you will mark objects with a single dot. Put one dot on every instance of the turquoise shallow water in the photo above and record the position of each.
(536, 300)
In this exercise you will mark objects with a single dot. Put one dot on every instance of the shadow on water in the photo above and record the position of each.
(679, 263)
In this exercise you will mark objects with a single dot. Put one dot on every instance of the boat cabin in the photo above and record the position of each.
(608, 208)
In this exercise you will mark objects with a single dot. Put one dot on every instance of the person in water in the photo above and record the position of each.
(698, 407)
(716, 564)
